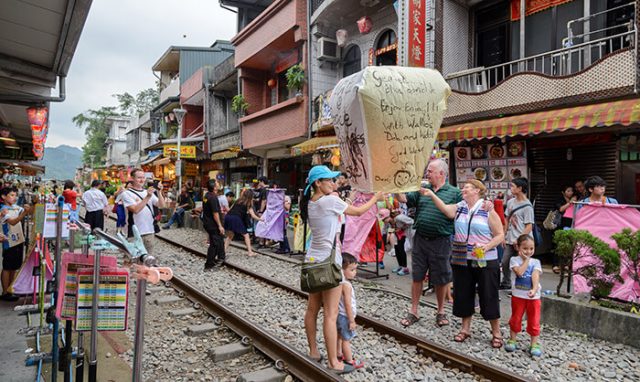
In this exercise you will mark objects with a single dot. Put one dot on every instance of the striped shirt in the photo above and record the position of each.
(429, 221)
(480, 233)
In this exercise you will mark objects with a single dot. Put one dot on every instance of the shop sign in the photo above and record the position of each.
(190, 169)
(187, 152)
(417, 30)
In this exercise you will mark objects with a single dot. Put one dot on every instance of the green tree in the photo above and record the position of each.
(96, 132)
(603, 269)
(143, 102)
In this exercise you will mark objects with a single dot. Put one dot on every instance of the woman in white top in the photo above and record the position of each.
(322, 210)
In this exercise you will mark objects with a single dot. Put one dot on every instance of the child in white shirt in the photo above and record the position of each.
(525, 295)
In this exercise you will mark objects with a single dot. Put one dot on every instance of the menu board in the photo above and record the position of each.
(495, 164)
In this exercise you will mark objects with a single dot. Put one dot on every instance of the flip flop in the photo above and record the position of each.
(409, 320)
(497, 342)
(356, 363)
(318, 359)
(347, 369)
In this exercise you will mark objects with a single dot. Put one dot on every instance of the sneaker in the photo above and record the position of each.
(505, 286)
(381, 265)
(403, 272)
(511, 346)
(535, 350)
(166, 226)
(219, 263)
(396, 270)
(208, 269)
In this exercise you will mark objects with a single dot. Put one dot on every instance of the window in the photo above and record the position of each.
(389, 57)
(351, 61)
(283, 91)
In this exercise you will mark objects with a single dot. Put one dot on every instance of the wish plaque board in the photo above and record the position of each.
(386, 120)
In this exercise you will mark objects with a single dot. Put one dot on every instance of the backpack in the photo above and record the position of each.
(535, 230)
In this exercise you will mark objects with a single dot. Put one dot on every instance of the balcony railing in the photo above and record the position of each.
(561, 62)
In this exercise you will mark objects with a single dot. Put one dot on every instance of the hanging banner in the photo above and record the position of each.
(50, 215)
(112, 299)
(533, 6)
(417, 31)
(392, 114)
(358, 228)
(602, 222)
(273, 225)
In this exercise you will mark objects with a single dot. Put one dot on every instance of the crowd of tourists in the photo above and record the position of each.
(466, 244)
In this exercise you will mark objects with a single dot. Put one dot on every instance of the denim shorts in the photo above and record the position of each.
(343, 328)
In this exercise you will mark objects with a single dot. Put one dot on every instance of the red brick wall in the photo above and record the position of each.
(275, 127)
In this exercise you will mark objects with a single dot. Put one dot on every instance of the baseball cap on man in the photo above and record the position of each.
(319, 172)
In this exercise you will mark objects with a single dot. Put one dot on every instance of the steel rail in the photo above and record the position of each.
(285, 356)
(450, 358)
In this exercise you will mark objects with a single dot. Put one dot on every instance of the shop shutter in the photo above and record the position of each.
(550, 171)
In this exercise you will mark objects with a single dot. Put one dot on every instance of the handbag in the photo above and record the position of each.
(321, 276)
(115, 208)
(552, 221)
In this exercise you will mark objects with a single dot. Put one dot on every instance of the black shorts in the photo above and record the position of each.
(486, 281)
(434, 256)
(12, 258)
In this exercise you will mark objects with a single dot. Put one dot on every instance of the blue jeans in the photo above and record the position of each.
(177, 217)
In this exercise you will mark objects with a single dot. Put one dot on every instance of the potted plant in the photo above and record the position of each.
(295, 78)
(239, 105)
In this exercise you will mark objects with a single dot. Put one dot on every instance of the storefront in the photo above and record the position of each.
(552, 149)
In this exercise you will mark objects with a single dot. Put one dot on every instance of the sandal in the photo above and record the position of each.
(409, 320)
(441, 320)
(347, 369)
(357, 364)
(461, 337)
(497, 342)
(318, 359)
(556, 270)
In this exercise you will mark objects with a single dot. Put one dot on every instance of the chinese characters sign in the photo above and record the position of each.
(416, 35)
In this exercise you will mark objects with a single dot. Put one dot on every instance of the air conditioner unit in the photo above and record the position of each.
(328, 49)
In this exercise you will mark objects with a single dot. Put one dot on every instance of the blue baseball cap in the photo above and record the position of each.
(319, 172)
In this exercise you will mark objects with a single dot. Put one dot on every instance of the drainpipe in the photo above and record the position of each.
(309, 76)
(33, 99)
(522, 28)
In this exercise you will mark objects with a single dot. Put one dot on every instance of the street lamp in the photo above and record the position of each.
(179, 113)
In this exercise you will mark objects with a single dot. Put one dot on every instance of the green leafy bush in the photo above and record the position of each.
(239, 104)
(574, 245)
(628, 242)
(295, 77)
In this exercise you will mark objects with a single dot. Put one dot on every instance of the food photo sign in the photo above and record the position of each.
(495, 164)
(386, 120)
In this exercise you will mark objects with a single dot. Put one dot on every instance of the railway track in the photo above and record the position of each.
(449, 358)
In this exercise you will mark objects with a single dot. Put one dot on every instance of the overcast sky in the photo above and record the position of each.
(120, 42)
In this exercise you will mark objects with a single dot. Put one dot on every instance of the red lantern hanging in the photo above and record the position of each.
(271, 83)
(37, 115)
(365, 24)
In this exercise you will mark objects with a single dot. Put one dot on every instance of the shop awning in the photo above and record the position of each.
(313, 144)
(226, 154)
(149, 159)
(161, 161)
(604, 114)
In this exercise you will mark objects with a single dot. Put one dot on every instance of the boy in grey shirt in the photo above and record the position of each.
(520, 220)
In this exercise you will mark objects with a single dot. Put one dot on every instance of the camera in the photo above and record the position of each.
(424, 184)
(152, 183)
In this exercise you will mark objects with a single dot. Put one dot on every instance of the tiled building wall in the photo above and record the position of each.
(325, 75)
(456, 37)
